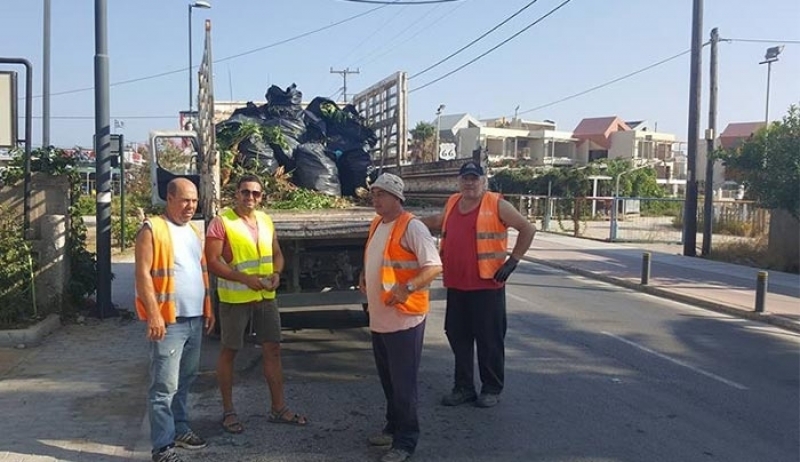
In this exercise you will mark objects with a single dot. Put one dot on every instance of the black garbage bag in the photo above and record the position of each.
(350, 126)
(289, 97)
(354, 166)
(284, 152)
(316, 129)
(257, 155)
(315, 170)
(249, 112)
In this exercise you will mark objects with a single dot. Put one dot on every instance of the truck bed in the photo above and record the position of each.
(351, 223)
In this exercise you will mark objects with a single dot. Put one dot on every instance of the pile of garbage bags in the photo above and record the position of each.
(324, 146)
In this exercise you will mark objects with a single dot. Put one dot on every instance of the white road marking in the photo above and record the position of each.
(710, 375)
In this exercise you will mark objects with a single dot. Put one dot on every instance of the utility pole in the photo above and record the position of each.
(344, 73)
(711, 134)
(46, 76)
(695, 81)
(102, 147)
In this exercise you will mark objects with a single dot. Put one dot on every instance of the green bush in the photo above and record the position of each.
(86, 205)
(16, 282)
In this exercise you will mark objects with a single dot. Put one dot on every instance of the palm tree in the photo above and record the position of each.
(422, 137)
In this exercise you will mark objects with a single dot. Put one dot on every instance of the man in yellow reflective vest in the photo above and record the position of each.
(400, 261)
(172, 296)
(242, 251)
(474, 246)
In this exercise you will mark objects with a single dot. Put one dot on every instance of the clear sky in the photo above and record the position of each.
(582, 45)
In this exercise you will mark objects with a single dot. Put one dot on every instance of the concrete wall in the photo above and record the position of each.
(622, 145)
(719, 168)
(50, 197)
(784, 241)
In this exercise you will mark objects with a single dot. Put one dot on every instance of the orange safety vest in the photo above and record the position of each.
(491, 235)
(163, 271)
(399, 266)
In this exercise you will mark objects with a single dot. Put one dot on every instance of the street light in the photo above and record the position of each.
(770, 57)
(438, 128)
(198, 4)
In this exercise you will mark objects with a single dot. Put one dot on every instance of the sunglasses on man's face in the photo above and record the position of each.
(247, 193)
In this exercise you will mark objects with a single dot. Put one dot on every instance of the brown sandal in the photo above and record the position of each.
(286, 416)
(233, 425)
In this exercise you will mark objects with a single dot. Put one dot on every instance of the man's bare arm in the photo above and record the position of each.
(513, 219)
(144, 283)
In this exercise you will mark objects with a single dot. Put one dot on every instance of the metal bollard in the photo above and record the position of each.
(645, 268)
(761, 290)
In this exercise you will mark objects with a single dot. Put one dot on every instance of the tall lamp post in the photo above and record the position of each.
(438, 129)
(770, 57)
(198, 4)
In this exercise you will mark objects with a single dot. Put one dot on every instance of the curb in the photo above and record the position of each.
(767, 317)
(31, 336)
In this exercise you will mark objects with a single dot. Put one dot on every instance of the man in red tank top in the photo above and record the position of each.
(474, 247)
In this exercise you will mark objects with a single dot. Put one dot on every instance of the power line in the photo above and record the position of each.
(494, 47)
(144, 117)
(476, 40)
(610, 82)
(793, 42)
(228, 58)
(401, 2)
(387, 47)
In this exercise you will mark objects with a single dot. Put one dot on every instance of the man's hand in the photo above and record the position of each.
(398, 294)
(253, 282)
(505, 271)
(210, 322)
(362, 284)
(273, 281)
(156, 328)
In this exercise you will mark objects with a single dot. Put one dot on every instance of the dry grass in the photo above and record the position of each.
(750, 252)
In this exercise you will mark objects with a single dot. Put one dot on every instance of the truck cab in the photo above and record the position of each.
(175, 154)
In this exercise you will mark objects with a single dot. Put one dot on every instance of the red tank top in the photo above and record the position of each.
(460, 253)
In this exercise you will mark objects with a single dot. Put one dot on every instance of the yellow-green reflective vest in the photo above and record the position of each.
(248, 258)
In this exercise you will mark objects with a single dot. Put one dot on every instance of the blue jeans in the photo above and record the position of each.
(174, 362)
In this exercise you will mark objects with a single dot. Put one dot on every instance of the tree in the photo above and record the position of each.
(768, 164)
(422, 139)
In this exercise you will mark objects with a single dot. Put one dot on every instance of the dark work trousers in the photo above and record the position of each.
(477, 318)
(397, 356)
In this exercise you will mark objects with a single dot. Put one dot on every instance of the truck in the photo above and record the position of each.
(323, 248)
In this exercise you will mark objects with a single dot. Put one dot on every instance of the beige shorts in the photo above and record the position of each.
(263, 317)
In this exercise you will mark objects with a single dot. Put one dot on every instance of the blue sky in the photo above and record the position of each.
(584, 44)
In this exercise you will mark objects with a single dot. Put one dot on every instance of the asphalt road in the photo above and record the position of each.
(594, 372)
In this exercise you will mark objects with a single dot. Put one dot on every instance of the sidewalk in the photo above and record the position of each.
(718, 286)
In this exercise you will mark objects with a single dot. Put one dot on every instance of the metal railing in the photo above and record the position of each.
(636, 219)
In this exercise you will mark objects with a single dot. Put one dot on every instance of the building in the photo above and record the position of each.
(734, 134)
(613, 138)
(540, 143)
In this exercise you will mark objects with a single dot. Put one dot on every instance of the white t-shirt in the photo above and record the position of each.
(189, 289)
(417, 239)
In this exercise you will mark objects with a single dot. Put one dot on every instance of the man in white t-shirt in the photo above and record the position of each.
(172, 296)
(400, 262)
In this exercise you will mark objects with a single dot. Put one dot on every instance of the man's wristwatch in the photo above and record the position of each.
(410, 287)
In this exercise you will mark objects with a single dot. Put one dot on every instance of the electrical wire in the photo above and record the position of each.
(792, 42)
(610, 82)
(228, 58)
(369, 36)
(142, 117)
(402, 2)
(541, 18)
(422, 26)
(476, 40)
